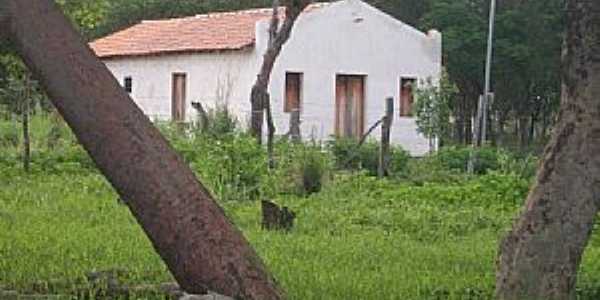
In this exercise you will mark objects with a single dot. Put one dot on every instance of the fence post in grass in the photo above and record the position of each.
(386, 128)
(201, 247)
(25, 108)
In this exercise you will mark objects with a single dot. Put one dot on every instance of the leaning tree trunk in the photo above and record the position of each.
(200, 246)
(540, 257)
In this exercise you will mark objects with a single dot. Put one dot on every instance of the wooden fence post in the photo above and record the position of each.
(386, 128)
(295, 134)
(201, 247)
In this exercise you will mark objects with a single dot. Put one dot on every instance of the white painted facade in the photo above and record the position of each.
(347, 37)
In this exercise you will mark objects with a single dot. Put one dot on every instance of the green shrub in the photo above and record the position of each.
(219, 121)
(301, 169)
(524, 167)
(428, 169)
(233, 166)
(457, 158)
(349, 156)
(9, 135)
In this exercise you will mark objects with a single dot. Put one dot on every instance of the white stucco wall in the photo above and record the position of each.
(346, 37)
(208, 78)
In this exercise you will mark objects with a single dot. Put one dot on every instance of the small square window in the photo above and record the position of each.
(128, 84)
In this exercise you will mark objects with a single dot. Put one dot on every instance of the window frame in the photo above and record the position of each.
(128, 84)
(402, 111)
(288, 106)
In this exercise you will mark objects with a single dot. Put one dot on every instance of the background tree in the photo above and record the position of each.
(20, 97)
(527, 65)
(526, 61)
(278, 36)
(408, 11)
(540, 256)
(463, 25)
(432, 108)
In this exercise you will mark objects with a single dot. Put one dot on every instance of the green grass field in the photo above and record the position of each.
(358, 239)
(425, 235)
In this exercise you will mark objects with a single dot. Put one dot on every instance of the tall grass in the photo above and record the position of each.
(429, 232)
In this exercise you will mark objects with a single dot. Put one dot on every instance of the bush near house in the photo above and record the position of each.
(349, 156)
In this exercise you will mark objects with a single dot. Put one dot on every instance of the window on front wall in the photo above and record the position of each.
(407, 98)
(293, 91)
(128, 84)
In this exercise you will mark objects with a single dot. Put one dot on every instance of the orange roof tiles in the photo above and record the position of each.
(210, 32)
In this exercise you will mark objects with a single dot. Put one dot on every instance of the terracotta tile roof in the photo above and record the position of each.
(209, 32)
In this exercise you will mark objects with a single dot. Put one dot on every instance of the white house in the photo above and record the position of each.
(342, 61)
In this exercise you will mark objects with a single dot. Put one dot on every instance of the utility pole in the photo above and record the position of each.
(480, 124)
(488, 70)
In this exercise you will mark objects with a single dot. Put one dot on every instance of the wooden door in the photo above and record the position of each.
(178, 97)
(349, 106)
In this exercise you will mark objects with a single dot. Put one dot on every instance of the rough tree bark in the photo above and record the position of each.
(260, 98)
(4, 33)
(201, 247)
(540, 256)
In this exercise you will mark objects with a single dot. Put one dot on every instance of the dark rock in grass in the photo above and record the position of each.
(172, 290)
(96, 276)
(275, 218)
(9, 295)
(209, 296)
(105, 285)
(44, 297)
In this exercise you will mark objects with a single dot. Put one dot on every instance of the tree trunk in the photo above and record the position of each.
(25, 123)
(295, 133)
(257, 115)
(468, 131)
(523, 123)
(200, 246)
(532, 123)
(540, 256)
(386, 129)
(259, 97)
(500, 132)
(271, 134)
(459, 126)
(4, 23)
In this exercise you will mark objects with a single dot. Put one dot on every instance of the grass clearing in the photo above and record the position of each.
(358, 239)
(431, 232)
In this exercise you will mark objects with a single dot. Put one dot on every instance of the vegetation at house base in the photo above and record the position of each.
(428, 232)
(433, 107)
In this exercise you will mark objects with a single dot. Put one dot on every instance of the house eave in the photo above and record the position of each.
(162, 53)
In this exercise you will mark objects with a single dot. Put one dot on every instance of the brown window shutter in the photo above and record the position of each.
(293, 90)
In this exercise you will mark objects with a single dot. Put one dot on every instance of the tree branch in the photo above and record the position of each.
(274, 23)
(279, 39)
